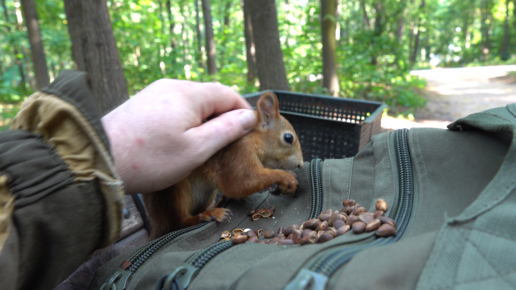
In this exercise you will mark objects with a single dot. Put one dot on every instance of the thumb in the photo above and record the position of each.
(218, 132)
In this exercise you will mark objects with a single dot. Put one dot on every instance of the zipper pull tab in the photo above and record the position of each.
(307, 280)
(184, 274)
(117, 281)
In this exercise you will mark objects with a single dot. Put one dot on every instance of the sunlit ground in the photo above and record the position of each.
(457, 92)
(465, 91)
(393, 123)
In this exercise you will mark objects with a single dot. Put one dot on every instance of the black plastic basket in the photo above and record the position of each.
(328, 127)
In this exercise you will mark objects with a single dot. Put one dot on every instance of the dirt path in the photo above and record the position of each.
(456, 92)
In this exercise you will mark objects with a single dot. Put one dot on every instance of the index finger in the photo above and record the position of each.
(217, 99)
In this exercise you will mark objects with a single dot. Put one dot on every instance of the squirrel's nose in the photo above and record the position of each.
(300, 166)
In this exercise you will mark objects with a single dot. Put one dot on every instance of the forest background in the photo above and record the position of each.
(363, 49)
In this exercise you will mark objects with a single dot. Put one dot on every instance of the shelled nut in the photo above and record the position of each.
(381, 205)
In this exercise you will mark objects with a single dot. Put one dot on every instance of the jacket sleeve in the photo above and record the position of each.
(60, 197)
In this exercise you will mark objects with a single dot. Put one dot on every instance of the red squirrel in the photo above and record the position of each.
(251, 164)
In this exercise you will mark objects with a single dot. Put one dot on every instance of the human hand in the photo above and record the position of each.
(158, 136)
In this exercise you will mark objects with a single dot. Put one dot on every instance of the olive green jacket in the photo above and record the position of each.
(60, 197)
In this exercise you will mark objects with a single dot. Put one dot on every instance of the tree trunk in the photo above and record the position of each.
(28, 68)
(269, 57)
(94, 47)
(505, 46)
(514, 12)
(226, 13)
(184, 37)
(171, 25)
(200, 47)
(19, 63)
(15, 47)
(36, 44)
(162, 48)
(485, 12)
(378, 29)
(414, 53)
(210, 42)
(225, 31)
(249, 42)
(367, 23)
(73, 10)
(400, 30)
(198, 27)
(329, 43)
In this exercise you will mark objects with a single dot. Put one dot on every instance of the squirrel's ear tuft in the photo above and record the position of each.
(268, 110)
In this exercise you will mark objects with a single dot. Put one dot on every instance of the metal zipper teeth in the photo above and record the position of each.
(331, 261)
(204, 256)
(185, 274)
(402, 215)
(140, 258)
(317, 195)
(406, 182)
(119, 278)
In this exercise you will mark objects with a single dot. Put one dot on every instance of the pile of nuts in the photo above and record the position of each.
(330, 224)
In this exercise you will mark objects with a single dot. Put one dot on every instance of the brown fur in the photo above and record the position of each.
(251, 164)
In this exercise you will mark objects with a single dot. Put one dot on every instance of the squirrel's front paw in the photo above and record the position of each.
(218, 214)
(288, 184)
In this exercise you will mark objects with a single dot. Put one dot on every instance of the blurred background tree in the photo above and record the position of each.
(262, 44)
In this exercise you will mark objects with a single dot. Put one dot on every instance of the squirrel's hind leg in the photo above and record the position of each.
(212, 212)
(218, 214)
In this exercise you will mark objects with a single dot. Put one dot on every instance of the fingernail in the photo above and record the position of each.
(247, 118)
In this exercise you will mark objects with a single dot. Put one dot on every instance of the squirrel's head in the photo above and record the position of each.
(282, 148)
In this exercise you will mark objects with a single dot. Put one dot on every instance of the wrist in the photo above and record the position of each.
(120, 147)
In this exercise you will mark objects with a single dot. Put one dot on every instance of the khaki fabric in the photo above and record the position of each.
(6, 210)
(77, 143)
(60, 197)
(476, 249)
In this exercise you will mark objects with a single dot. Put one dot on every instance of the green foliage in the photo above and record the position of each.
(7, 113)
(373, 60)
(388, 80)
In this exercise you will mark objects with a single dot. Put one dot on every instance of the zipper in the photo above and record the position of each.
(317, 192)
(184, 274)
(317, 273)
(122, 274)
(189, 270)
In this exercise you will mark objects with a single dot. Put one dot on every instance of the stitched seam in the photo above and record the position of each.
(422, 171)
(478, 280)
(497, 116)
(329, 184)
(455, 282)
(432, 261)
(343, 183)
(350, 177)
(481, 254)
(488, 205)
(488, 232)
(490, 278)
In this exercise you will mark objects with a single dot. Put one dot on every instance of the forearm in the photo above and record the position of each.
(61, 197)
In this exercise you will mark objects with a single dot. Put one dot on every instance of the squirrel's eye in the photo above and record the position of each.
(288, 138)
